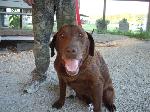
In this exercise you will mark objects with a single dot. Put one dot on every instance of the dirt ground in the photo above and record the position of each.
(128, 61)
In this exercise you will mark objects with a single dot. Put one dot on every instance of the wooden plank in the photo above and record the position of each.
(14, 32)
(2, 17)
(18, 38)
(15, 13)
(24, 46)
(14, 4)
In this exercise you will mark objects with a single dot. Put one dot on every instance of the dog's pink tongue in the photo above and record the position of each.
(71, 64)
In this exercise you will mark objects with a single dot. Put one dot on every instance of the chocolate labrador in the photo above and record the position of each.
(81, 68)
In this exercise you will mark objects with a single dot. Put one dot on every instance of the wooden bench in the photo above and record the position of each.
(14, 34)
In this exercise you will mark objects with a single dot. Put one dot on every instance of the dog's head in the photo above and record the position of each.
(73, 45)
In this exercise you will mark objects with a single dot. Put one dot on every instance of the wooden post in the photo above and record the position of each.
(21, 19)
(2, 17)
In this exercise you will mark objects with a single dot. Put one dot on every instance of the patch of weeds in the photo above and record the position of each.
(100, 31)
(132, 34)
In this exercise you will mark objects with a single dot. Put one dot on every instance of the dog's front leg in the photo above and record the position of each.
(60, 102)
(97, 93)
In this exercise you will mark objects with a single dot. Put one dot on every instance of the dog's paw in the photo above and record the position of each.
(58, 104)
(71, 96)
(90, 107)
(111, 108)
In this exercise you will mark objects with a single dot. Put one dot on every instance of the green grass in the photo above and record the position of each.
(88, 27)
(132, 34)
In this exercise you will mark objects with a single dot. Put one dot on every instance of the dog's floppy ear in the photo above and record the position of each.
(92, 45)
(52, 45)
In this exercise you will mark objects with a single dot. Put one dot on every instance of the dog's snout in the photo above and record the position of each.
(71, 50)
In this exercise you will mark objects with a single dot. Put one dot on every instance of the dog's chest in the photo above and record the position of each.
(80, 86)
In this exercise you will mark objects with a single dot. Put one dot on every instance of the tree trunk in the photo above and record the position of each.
(148, 19)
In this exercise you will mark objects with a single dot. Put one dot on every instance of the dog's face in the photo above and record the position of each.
(73, 45)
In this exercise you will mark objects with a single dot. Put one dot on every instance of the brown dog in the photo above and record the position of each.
(79, 67)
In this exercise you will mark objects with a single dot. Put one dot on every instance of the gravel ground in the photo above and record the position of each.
(128, 61)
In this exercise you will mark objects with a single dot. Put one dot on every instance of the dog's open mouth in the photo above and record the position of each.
(72, 66)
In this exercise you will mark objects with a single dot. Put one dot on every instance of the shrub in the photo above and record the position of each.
(14, 20)
(101, 25)
(123, 25)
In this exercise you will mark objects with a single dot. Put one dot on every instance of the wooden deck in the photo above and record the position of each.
(7, 34)
(16, 13)
(16, 38)
(11, 34)
(14, 4)
(15, 32)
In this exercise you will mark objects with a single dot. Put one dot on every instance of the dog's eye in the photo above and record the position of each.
(62, 36)
(80, 35)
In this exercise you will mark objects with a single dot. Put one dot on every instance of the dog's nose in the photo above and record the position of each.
(71, 50)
